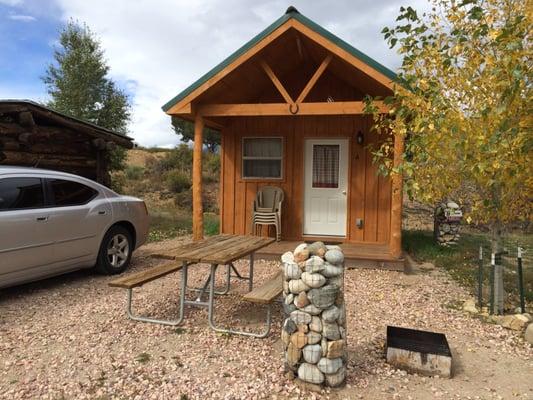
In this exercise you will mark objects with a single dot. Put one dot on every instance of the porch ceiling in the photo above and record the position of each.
(293, 58)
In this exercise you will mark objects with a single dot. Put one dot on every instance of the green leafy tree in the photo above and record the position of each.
(79, 85)
(186, 130)
(464, 104)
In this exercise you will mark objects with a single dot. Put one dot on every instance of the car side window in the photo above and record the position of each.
(70, 193)
(21, 193)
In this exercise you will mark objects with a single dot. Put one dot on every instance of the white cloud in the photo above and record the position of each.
(20, 17)
(162, 46)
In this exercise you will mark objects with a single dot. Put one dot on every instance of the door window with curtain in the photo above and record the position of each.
(262, 158)
(325, 166)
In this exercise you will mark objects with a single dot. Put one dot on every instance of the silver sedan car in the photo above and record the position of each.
(53, 222)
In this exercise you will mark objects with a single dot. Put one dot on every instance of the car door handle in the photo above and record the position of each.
(42, 218)
(102, 213)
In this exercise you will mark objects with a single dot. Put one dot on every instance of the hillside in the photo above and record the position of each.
(162, 178)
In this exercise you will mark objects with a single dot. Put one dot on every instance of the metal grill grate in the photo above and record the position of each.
(418, 341)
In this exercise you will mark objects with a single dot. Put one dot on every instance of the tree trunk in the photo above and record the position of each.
(496, 237)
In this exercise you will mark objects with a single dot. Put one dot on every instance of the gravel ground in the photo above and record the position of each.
(69, 338)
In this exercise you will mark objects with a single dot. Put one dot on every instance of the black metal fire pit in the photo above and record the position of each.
(423, 352)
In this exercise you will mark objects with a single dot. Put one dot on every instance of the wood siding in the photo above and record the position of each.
(369, 195)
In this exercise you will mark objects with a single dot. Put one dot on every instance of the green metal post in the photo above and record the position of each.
(480, 279)
(520, 280)
(492, 267)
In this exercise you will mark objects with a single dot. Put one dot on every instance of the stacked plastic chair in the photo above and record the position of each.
(267, 209)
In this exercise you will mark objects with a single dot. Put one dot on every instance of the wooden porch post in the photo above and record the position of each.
(397, 200)
(197, 209)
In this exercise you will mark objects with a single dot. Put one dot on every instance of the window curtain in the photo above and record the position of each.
(262, 147)
(325, 166)
(262, 157)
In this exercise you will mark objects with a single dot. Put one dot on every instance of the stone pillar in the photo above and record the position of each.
(314, 331)
(447, 223)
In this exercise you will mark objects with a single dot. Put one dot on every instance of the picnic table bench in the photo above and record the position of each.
(216, 250)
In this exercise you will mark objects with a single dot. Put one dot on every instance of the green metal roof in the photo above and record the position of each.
(291, 13)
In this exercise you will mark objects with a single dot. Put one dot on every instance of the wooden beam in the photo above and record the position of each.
(197, 208)
(397, 199)
(276, 82)
(264, 109)
(311, 84)
(342, 53)
(185, 109)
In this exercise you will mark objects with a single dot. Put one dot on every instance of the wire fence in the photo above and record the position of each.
(517, 262)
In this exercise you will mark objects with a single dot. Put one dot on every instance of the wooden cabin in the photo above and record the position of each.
(289, 106)
(35, 136)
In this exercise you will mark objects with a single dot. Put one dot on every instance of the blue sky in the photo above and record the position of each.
(156, 48)
(26, 49)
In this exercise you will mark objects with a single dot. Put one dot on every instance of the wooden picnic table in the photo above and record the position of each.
(215, 250)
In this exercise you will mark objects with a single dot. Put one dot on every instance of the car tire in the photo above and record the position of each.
(115, 251)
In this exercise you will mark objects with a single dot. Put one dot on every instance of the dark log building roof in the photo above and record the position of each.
(41, 115)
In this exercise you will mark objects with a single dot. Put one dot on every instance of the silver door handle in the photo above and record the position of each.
(42, 218)
(101, 212)
(344, 192)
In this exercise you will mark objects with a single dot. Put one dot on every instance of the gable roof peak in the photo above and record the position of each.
(292, 10)
(292, 14)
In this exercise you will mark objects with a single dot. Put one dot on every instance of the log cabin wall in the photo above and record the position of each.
(45, 151)
(32, 135)
(369, 195)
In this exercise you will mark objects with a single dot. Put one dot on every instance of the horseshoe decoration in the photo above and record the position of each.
(296, 110)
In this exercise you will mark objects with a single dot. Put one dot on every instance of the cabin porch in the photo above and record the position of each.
(357, 255)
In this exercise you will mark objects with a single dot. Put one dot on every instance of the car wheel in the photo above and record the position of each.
(115, 251)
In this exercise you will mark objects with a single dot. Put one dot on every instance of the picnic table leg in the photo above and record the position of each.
(184, 278)
(203, 289)
(161, 321)
(228, 280)
(211, 312)
(251, 276)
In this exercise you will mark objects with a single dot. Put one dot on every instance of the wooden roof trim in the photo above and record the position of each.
(223, 69)
(291, 19)
(344, 54)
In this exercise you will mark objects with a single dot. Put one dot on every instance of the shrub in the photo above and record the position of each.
(152, 164)
(118, 181)
(180, 158)
(134, 172)
(211, 224)
(184, 199)
(178, 181)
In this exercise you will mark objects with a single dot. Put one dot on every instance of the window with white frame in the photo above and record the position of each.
(262, 157)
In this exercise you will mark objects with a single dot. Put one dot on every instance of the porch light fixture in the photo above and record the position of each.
(360, 138)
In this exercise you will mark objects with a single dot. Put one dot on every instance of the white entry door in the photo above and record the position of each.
(325, 187)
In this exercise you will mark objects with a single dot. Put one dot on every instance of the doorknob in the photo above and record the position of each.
(344, 192)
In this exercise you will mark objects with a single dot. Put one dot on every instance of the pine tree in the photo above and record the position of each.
(79, 85)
